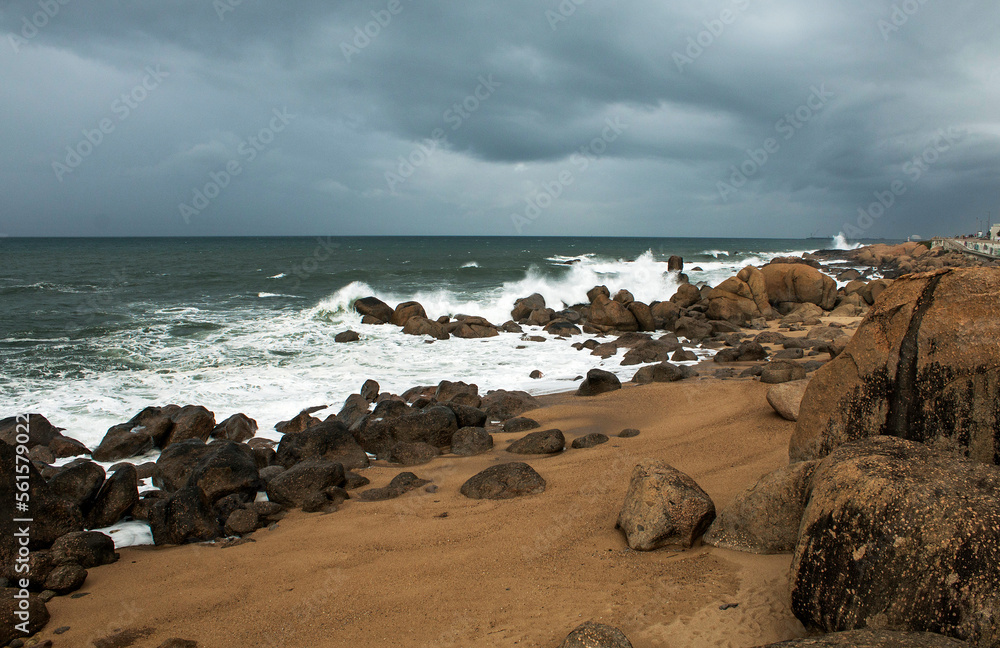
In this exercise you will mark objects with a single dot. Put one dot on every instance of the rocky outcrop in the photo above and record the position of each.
(740, 299)
(116, 498)
(501, 404)
(663, 372)
(238, 428)
(504, 481)
(375, 308)
(304, 480)
(609, 315)
(765, 518)
(924, 365)
(786, 398)
(663, 508)
(470, 441)
(799, 283)
(873, 639)
(419, 325)
(41, 433)
(541, 442)
(597, 382)
(900, 536)
(155, 427)
(405, 311)
(329, 440)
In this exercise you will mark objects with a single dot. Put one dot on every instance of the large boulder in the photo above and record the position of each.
(227, 469)
(405, 311)
(303, 480)
(765, 519)
(185, 516)
(470, 441)
(687, 295)
(374, 307)
(418, 325)
(40, 433)
(923, 365)
(786, 398)
(79, 482)
(501, 404)
(174, 465)
(329, 440)
(238, 428)
(611, 315)
(86, 548)
(745, 352)
(19, 620)
(740, 299)
(663, 508)
(523, 307)
(434, 425)
(665, 314)
(116, 498)
(663, 372)
(900, 536)
(797, 282)
(595, 635)
(155, 427)
(597, 382)
(868, 638)
(504, 481)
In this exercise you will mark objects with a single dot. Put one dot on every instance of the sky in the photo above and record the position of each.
(743, 118)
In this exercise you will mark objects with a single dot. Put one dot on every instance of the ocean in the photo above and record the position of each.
(94, 330)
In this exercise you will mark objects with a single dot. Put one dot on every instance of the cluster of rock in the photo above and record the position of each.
(907, 258)
(889, 505)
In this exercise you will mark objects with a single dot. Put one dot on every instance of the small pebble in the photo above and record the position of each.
(79, 595)
(60, 630)
(728, 606)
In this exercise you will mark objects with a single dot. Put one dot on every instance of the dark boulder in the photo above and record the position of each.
(417, 325)
(302, 421)
(17, 622)
(329, 440)
(292, 487)
(185, 516)
(400, 485)
(373, 307)
(238, 428)
(501, 404)
(902, 536)
(433, 425)
(65, 578)
(542, 442)
(504, 481)
(369, 390)
(174, 465)
(519, 424)
(745, 352)
(79, 482)
(116, 498)
(596, 635)
(448, 390)
(346, 336)
(466, 415)
(228, 468)
(781, 371)
(651, 351)
(524, 306)
(406, 311)
(413, 454)
(590, 440)
(469, 441)
(663, 372)
(86, 548)
(597, 382)
(242, 521)
(355, 408)
(598, 290)
(869, 638)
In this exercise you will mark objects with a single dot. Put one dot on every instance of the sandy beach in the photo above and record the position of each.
(438, 569)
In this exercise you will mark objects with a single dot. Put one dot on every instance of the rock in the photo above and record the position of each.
(535, 375)
(675, 264)
(540, 317)
(562, 328)
(185, 516)
(470, 441)
(873, 289)
(238, 428)
(369, 390)
(898, 535)
(116, 498)
(473, 328)
(686, 296)
(650, 351)
(448, 390)
(781, 371)
(501, 404)
(684, 355)
(542, 442)
(590, 440)
(242, 521)
(413, 454)
(174, 465)
(524, 306)
(175, 642)
(78, 482)
(346, 336)
(605, 350)
(921, 366)
(663, 372)
(296, 484)
(511, 327)
(745, 352)
(623, 297)
(628, 433)
(504, 481)
(598, 290)
(189, 422)
(826, 333)
(740, 299)
(12, 613)
(417, 325)
(355, 408)
(65, 578)
(405, 311)
(302, 421)
(38, 428)
(520, 424)
(596, 635)
(434, 425)
(868, 638)
(228, 468)
(693, 329)
(374, 307)
(269, 473)
(787, 397)
(597, 382)
(765, 519)
(799, 283)
(611, 315)
(155, 427)
(663, 508)
(85, 548)
(329, 440)
(400, 485)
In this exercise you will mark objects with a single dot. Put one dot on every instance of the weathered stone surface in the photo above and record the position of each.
(873, 639)
(519, 424)
(329, 440)
(186, 516)
(469, 441)
(796, 282)
(643, 315)
(597, 382)
(400, 485)
(781, 371)
(238, 428)
(765, 518)
(663, 508)
(242, 521)
(923, 365)
(413, 454)
(524, 306)
(79, 483)
(65, 578)
(374, 307)
(418, 325)
(901, 536)
(686, 296)
(405, 311)
(35, 618)
(116, 498)
(596, 635)
(346, 336)
(541, 442)
(86, 548)
(663, 372)
(504, 481)
(787, 397)
(501, 404)
(226, 469)
(174, 465)
(745, 352)
(589, 440)
(292, 487)
(611, 315)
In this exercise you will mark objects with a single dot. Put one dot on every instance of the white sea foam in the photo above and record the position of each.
(716, 253)
(470, 264)
(840, 242)
(280, 275)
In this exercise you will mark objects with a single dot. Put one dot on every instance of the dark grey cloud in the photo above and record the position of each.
(581, 117)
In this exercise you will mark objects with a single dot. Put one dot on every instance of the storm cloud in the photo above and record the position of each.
(580, 117)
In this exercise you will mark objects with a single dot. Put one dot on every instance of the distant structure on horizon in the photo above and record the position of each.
(981, 246)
